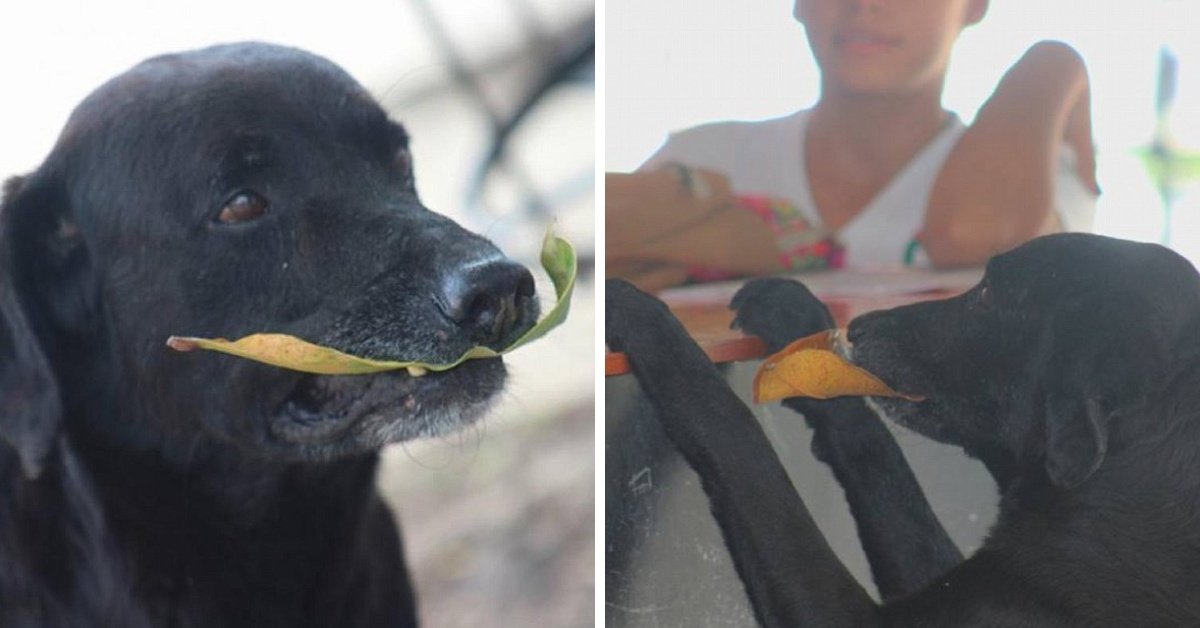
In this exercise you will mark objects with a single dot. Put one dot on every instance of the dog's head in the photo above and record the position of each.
(1029, 369)
(232, 190)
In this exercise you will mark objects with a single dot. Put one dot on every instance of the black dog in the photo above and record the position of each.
(1071, 371)
(232, 190)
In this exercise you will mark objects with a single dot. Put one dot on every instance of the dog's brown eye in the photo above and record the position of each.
(243, 207)
(985, 296)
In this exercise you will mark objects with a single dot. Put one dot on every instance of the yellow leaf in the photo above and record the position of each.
(289, 352)
(809, 367)
(558, 259)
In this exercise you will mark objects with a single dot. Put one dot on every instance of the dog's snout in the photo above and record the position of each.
(488, 299)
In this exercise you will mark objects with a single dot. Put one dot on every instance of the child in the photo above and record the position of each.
(877, 168)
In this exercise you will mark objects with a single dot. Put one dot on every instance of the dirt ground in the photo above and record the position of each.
(499, 522)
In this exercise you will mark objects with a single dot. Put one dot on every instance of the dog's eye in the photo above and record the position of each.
(985, 297)
(243, 207)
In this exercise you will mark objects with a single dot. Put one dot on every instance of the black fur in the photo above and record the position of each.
(146, 487)
(1071, 371)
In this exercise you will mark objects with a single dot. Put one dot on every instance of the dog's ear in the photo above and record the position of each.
(1096, 361)
(1076, 438)
(30, 400)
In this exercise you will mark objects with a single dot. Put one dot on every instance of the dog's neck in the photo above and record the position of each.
(247, 536)
(1000, 462)
(182, 515)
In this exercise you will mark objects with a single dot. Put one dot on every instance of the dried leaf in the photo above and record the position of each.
(558, 259)
(809, 367)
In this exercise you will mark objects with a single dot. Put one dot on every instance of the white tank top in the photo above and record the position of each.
(767, 158)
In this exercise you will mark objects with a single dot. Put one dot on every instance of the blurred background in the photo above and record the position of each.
(498, 96)
(750, 60)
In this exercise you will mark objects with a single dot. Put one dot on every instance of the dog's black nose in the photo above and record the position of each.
(486, 299)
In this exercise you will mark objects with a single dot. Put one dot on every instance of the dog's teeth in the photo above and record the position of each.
(417, 371)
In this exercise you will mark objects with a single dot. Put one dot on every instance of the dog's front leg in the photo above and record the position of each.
(791, 575)
(904, 542)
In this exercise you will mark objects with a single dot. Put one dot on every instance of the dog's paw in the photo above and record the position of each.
(779, 311)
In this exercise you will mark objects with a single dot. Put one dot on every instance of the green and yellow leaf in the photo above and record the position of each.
(558, 259)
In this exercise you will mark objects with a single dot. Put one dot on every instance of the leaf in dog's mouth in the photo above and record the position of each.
(810, 367)
(558, 259)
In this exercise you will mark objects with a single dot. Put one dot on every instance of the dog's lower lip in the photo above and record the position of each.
(322, 406)
(334, 410)
(318, 408)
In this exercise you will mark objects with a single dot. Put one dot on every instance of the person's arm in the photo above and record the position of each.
(652, 277)
(996, 189)
(654, 221)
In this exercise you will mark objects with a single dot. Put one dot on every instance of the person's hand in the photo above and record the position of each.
(643, 208)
